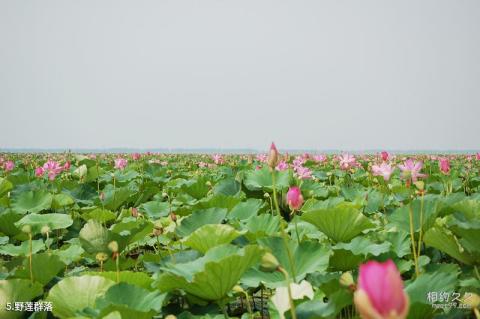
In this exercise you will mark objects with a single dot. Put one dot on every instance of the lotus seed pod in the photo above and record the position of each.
(101, 257)
(420, 185)
(27, 229)
(157, 231)
(171, 317)
(113, 246)
(164, 194)
(45, 230)
(238, 289)
(269, 263)
(346, 279)
(471, 299)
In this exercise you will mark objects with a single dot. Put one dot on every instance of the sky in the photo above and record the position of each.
(343, 75)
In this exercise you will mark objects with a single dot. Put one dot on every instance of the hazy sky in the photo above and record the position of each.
(238, 74)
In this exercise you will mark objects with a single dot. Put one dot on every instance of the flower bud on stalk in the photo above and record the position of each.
(269, 263)
(173, 217)
(273, 157)
(134, 212)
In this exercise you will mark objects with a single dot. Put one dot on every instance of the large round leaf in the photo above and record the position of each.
(340, 223)
(32, 201)
(73, 294)
(211, 235)
(17, 290)
(37, 221)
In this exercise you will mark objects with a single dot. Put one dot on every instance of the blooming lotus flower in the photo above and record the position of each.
(320, 158)
(294, 198)
(299, 161)
(347, 161)
(39, 171)
(218, 159)
(52, 168)
(282, 166)
(478, 156)
(66, 166)
(262, 158)
(411, 170)
(384, 170)
(385, 156)
(273, 157)
(136, 156)
(444, 165)
(8, 166)
(120, 163)
(380, 293)
(303, 172)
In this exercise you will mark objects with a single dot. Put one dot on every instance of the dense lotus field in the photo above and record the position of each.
(252, 236)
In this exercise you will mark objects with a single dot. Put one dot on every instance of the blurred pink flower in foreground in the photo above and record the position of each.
(120, 163)
(218, 159)
(478, 156)
(8, 166)
(294, 198)
(444, 165)
(136, 156)
(39, 171)
(347, 161)
(52, 168)
(380, 291)
(384, 170)
(411, 170)
(282, 166)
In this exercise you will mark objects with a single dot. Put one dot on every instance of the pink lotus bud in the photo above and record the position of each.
(102, 196)
(120, 163)
(66, 166)
(294, 198)
(444, 165)
(39, 171)
(134, 212)
(385, 156)
(478, 156)
(136, 156)
(272, 160)
(380, 292)
(8, 166)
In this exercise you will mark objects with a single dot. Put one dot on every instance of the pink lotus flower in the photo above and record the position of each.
(385, 156)
(380, 293)
(303, 172)
(282, 166)
(347, 161)
(411, 170)
(66, 166)
(444, 165)
(262, 158)
(202, 164)
(39, 171)
(52, 168)
(294, 198)
(136, 156)
(478, 156)
(299, 161)
(120, 163)
(384, 170)
(320, 158)
(8, 166)
(218, 159)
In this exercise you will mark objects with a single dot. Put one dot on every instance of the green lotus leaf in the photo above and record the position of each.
(228, 187)
(94, 237)
(340, 223)
(17, 290)
(442, 239)
(211, 235)
(247, 209)
(401, 218)
(199, 218)
(62, 200)
(212, 276)
(139, 279)
(5, 186)
(262, 179)
(32, 201)
(23, 249)
(155, 209)
(114, 198)
(74, 294)
(261, 226)
(100, 215)
(70, 254)
(45, 267)
(38, 221)
(362, 245)
(133, 297)
(7, 222)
